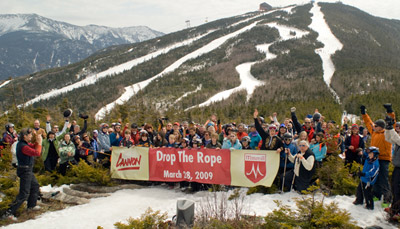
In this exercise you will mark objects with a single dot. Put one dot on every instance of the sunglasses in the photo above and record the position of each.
(302, 145)
(307, 122)
(85, 136)
(288, 139)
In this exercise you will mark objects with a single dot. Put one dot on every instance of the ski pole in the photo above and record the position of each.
(294, 175)
(284, 171)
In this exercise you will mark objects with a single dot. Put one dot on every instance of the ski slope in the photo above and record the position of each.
(331, 45)
(247, 81)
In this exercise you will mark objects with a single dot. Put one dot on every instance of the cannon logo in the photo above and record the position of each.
(255, 167)
(131, 163)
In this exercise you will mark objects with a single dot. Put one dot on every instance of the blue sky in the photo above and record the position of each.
(162, 15)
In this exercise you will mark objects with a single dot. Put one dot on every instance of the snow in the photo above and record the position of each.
(92, 79)
(131, 90)
(198, 88)
(121, 205)
(331, 45)
(247, 81)
(5, 83)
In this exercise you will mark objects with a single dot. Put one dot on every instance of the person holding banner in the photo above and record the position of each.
(304, 168)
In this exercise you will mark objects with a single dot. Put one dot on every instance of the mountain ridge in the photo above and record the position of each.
(42, 43)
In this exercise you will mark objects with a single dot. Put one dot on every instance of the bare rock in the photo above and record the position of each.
(86, 195)
(103, 189)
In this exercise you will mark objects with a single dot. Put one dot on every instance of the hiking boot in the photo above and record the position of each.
(357, 203)
(370, 207)
(396, 217)
(10, 216)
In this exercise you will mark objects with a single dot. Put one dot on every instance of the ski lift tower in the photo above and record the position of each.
(187, 23)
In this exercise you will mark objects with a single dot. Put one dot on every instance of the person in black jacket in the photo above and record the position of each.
(270, 141)
(354, 146)
(304, 168)
(29, 186)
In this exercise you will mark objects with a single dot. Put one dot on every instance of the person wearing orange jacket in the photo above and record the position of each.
(377, 130)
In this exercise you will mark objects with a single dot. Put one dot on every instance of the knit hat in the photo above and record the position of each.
(176, 123)
(354, 126)
(380, 123)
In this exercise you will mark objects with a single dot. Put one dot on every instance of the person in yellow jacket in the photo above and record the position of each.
(377, 130)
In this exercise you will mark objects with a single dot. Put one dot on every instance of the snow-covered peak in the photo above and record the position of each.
(35, 23)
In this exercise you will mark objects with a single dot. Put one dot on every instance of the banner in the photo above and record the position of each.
(130, 163)
(210, 166)
(254, 167)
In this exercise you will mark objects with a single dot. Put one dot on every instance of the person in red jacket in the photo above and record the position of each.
(307, 127)
(29, 186)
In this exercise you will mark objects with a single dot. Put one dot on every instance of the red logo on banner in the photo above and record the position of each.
(255, 167)
(131, 163)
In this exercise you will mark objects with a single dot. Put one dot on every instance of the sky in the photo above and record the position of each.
(162, 15)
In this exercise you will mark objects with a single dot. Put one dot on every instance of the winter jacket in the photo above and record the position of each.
(352, 154)
(255, 139)
(9, 138)
(392, 137)
(26, 152)
(319, 151)
(268, 142)
(378, 139)
(300, 128)
(126, 143)
(371, 170)
(304, 169)
(241, 135)
(46, 145)
(104, 141)
(228, 144)
(293, 150)
(114, 141)
(63, 152)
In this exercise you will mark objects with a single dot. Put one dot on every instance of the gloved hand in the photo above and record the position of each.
(82, 116)
(360, 174)
(389, 122)
(363, 110)
(293, 109)
(388, 107)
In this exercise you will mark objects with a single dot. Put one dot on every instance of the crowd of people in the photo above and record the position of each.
(303, 147)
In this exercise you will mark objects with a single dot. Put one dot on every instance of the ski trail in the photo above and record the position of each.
(331, 45)
(189, 93)
(5, 83)
(133, 89)
(92, 79)
(247, 81)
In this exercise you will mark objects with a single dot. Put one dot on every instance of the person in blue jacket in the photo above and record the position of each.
(255, 138)
(319, 148)
(368, 177)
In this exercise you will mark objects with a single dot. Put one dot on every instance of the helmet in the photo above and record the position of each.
(282, 126)
(287, 136)
(316, 116)
(9, 125)
(373, 149)
(246, 139)
(134, 126)
(67, 113)
(143, 133)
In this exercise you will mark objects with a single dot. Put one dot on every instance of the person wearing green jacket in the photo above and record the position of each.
(66, 153)
(50, 148)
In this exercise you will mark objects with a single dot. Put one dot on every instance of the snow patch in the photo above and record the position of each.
(133, 203)
(331, 45)
(189, 93)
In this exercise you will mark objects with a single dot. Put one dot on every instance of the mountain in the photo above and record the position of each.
(329, 56)
(30, 43)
